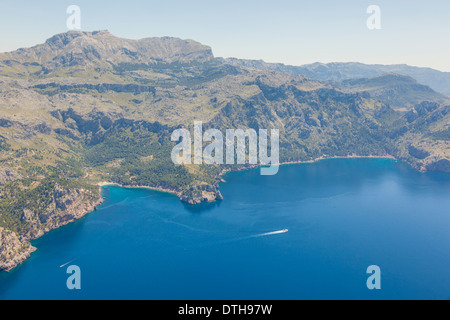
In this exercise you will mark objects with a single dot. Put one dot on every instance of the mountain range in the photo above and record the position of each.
(338, 71)
(86, 108)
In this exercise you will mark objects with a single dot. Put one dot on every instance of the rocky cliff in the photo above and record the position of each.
(87, 107)
(102, 49)
(62, 206)
(13, 250)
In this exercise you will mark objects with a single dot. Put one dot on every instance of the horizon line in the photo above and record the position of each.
(234, 57)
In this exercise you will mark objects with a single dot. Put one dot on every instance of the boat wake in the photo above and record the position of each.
(66, 264)
(271, 233)
(267, 234)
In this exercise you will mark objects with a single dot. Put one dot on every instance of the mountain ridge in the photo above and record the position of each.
(68, 125)
(338, 71)
(87, 48)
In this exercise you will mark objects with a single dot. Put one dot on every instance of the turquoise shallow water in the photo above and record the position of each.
(342, 216)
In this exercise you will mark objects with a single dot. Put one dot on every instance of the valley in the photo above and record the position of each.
(88, 107)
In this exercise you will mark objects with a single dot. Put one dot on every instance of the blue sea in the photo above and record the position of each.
(343, 215)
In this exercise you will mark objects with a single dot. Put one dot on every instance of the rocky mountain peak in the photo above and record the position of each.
(80, 48)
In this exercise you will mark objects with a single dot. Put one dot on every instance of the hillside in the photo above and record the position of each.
(399, 92)
(339, 71)
(85, 108)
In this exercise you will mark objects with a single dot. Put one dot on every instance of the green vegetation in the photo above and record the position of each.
(19, 195)
(138, 157)
(107, 115)
(4, 146)
(441, 135)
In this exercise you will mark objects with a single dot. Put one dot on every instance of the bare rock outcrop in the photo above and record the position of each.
(13, 250)
(8, 175)
(201, 193)
(63, 207)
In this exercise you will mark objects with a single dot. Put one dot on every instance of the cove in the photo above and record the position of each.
(343, 215)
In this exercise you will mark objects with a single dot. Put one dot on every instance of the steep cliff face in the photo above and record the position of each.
(87, 107)
(63, 206)
(201, 193)
(13, 250)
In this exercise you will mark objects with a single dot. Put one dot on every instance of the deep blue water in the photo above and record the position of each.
(342, 216)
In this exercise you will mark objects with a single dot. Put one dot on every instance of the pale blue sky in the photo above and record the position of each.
(292, 32)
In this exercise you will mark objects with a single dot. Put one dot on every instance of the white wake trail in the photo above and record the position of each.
(246, 238)
(67, 263)
(274, 233)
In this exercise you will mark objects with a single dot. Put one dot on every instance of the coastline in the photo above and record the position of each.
(105, 184)
(225, 171)
(341, 157)
(251, 167)
(70, 215)
(422, 168)
(90, 208)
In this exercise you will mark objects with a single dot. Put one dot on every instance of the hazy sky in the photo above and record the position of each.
(293, 32)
